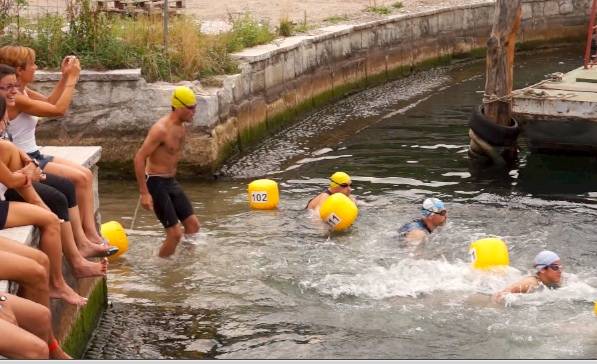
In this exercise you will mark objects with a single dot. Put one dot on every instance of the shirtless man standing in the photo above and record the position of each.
(155, 169)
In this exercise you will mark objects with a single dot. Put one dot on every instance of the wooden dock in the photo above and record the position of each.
(560, 114)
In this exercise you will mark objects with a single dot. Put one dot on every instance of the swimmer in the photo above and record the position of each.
(434, 215)
(549, 274)
(339, 183)
(155, 168)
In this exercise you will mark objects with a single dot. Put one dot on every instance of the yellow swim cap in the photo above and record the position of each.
(339, 178)
(183, 97)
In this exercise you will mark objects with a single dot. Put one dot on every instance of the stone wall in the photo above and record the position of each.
(279, 80)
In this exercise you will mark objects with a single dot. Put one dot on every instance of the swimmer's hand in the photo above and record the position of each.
(498, 297)
(147, 201)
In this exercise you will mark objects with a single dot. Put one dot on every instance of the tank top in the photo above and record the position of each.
(3, 190)
(22, 129)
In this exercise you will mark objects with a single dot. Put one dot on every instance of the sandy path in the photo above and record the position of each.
(316, 11)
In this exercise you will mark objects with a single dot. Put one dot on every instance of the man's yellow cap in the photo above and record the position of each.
(339, 178)
(182, 96)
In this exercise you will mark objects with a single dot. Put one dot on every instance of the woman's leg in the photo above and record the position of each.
(86, 247)
(81, 267)
(19, 214)
(17, 265)
(18, 343)
(67, 189)
(83, 180)
(28, 267)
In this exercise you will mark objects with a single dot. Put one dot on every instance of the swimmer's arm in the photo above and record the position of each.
(314, 202)
(415, 236)
(150, 144)
(524, 285)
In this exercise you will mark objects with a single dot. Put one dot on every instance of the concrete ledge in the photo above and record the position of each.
(72, 325)
(133, 74)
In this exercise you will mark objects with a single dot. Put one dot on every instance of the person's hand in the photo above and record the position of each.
(498, 297)
(32, 170)
(146, 201)
(70, 67)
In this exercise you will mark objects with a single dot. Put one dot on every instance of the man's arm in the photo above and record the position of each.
(524, 285)
(150, 144)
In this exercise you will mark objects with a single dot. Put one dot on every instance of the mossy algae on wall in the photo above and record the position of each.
(86, 322)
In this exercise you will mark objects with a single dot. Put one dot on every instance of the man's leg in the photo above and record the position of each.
(191, 225)
(173, 236)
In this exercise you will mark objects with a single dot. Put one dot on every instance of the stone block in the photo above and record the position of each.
(566, 7)
(527, 11)
(308, 60)
(446, 21)
(368, 38)
(289, 65)
(225, 99)
(551, 8)
(274, 71)
(356, 41)
(207, 113)
(324, 53)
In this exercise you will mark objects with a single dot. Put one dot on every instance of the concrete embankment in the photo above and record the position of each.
(280, 80)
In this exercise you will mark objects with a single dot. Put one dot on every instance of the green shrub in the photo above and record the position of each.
(285, 28)
(336, 19)
(108, 42)
(397, 5)
(381, 10)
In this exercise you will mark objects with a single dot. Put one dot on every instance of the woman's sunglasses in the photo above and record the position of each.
(554, 267)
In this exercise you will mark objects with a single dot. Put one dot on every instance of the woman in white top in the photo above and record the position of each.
(23, 121)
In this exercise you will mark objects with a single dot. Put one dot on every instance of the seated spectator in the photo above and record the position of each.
(23, 117)
(25, 327)
(29, 268)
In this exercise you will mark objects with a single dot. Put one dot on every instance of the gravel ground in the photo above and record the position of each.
(214, 15)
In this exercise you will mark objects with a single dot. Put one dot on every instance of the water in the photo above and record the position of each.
(274, 284)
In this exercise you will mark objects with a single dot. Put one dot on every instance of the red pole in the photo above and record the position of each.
(590, 34)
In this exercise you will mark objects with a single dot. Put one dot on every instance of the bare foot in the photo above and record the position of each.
(58, 353)
(64, 292)
(89, 249)
(86, 268)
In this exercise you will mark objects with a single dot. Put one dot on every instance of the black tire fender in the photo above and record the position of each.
(492, 133)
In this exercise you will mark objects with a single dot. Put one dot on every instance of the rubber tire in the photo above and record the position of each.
(492, 133)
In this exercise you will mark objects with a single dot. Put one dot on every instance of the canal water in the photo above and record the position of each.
(275, 284)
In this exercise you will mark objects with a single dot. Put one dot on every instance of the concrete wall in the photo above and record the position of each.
(279, 80)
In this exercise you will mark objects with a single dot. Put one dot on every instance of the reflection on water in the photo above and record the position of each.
(275, 284)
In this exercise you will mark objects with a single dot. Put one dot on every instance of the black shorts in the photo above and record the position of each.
(55, 199)
(3, 213)
(170, 203)
(65, 186)
(41, 159)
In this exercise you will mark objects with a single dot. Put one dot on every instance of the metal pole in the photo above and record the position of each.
(590, 34)
(165, 7)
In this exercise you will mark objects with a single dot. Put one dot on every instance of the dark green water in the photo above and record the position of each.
(275, 285)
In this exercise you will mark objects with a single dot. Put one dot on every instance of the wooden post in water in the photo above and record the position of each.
(490, 141)
(500, 61)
